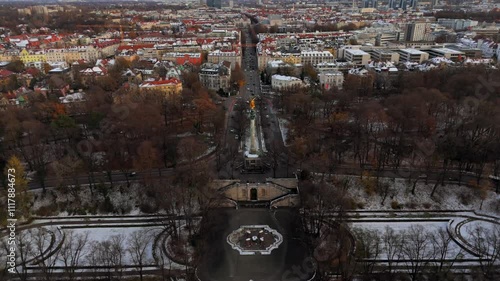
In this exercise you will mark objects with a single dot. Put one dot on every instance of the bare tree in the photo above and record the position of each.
(25, 250)
(46, 260)
(72, 251)
(441, 243)
(487, 243)
(109, 254)
(137, 247)
(368, 249)
(391, 242)
(416, 250)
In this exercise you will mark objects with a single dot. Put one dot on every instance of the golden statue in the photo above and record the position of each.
(252, 104)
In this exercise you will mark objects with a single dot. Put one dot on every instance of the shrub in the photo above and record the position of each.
(369, 183)
(411, 205)
(147, 208)
(427, 205)
(465, 198)
(395, 205)
(46, 211)
(107, 206)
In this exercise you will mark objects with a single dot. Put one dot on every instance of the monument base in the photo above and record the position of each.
(253, 163)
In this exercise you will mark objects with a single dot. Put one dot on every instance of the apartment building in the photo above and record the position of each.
(217, 56)
(315, 57)
(182, 58)
(172, 86)
(215, 76)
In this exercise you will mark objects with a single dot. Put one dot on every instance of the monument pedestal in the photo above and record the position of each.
(253, 162)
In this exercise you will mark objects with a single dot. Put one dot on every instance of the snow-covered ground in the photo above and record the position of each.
(430, 228)
(124, 202)
(448, 197)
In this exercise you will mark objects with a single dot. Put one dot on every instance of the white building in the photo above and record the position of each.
(315, 57)
(329, 79)
(283, 82)
(457, 24)
(450, 54)
(218, 56)
(384, 55)
(412, 55)
(356, 57)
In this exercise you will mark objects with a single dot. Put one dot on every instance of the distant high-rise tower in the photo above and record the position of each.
(402, 4)
(416, 31)
(214, 3)
(370, 4)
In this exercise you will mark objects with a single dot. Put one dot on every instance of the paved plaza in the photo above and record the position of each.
(224, 263)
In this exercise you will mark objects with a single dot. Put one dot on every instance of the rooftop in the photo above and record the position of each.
(356, 52)
(447, 51)
(412, 51)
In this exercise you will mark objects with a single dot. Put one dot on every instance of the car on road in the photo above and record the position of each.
(132, 174)
(236, 137)
(267, 116)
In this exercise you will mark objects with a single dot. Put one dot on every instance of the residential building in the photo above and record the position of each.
(182, 58)
(330, 79)
(28, 57)
(315, 57)
(215, 76)
(279, 82)
(217, 56)
(172, 86)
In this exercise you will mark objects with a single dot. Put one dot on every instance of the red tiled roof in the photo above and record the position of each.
(162, 82)
(135, 47)
(4, 73)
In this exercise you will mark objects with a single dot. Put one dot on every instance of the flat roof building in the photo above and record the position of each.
(412, 55)
(448, 53)
(384, 55)
(357, 57)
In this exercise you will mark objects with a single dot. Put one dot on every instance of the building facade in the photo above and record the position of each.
(168, 87)
(330, 79)
(215, 76)
(280, 82)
